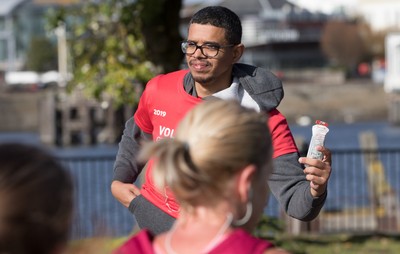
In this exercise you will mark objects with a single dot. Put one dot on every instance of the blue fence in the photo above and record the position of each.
(363, 192)
(97, 212)
(363, 196)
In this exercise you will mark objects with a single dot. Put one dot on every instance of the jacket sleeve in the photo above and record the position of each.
(126, 167)
(288, 182)
(289, 185)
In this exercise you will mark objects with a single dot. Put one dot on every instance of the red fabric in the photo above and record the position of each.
(141, 243)
(241, 242)
(238, 242)
(163, 104)
(282, 138)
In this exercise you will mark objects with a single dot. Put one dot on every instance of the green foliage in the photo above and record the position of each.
(160, 29)
(41, 55)
(109, 54)
(273, 230)
(268, 226)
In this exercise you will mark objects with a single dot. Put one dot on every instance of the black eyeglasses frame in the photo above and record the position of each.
(217, 47)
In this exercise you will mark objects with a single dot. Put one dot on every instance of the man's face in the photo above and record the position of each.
(209, 71)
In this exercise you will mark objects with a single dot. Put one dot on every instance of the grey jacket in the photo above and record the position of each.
(287, 183)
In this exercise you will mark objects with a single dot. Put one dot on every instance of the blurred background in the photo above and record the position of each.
(71, 74)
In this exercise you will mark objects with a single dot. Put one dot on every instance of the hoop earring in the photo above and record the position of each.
(247, 215)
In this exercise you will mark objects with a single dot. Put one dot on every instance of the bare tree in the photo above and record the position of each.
(343, 43)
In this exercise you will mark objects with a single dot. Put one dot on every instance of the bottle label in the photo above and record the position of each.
(319, 131)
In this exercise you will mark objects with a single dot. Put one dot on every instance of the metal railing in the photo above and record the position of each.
(363, 196)
(97, 212)
(363, 192)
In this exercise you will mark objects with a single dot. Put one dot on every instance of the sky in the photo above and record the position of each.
(326, 6)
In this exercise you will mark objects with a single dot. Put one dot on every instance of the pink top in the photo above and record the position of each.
(238, 242)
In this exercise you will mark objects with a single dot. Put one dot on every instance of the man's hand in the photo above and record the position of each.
(124, 192)
(317, 171)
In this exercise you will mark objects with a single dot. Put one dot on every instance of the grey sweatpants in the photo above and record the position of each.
(149, 216)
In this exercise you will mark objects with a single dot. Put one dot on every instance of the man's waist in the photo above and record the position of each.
(162, 199)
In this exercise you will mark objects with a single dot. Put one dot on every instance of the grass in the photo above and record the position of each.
(317, 244)
(98, 245)
(343, 244)
(272, 229)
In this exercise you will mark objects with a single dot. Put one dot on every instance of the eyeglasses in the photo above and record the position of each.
(207, 49)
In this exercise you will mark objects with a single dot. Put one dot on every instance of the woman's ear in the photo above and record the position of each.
(238, 52)
(244, 183)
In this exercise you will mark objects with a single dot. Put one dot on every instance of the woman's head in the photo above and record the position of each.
(35, 199)
(214, 144)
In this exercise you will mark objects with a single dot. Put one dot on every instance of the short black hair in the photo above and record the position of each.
(222, 17)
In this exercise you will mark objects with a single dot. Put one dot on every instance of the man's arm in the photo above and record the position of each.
(126, 167)
(290, 186)
(301, 192)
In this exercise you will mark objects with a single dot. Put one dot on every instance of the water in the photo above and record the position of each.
(94, 198)
(340, 136)
(346, 136)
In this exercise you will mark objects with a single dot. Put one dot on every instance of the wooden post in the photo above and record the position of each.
(383, 198)
(47, 121)
(75, 118)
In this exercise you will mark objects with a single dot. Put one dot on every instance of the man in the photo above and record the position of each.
(213, 48)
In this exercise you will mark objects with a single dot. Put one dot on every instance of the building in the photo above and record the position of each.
(20, 20)
(277, 34)
(12, 43)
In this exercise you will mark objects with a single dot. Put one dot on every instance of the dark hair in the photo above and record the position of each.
(222, 17)
(35, 199)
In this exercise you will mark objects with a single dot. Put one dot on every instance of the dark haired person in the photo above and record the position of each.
(212, 48)
(36, 201)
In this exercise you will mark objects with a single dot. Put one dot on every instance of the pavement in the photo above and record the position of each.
(352, 101)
